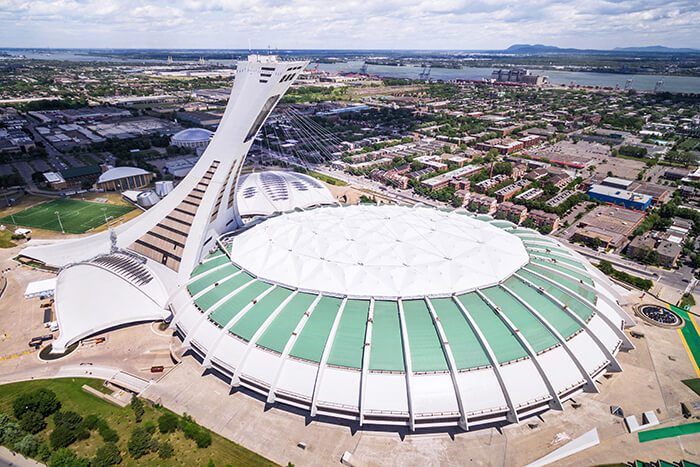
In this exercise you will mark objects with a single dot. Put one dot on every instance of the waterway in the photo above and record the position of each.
(639, 82)
(557, 77)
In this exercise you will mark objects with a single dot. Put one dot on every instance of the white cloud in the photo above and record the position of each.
(395, 24)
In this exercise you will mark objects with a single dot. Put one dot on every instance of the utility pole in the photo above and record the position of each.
(59, 222)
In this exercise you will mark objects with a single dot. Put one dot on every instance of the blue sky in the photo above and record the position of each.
(349, 24)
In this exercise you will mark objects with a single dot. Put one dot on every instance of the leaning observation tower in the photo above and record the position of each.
(378, 315)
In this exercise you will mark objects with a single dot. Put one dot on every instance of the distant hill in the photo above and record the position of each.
(543, 49)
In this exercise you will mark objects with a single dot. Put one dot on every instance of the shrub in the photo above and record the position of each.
(10, 432)
(107, 455)
(154, 445)
(32, 422)
(150, 427)
(64, 457)
(139, 443)
(165, 450)
(203, 438)
(91, 421)
(167, 423)
(137, 407)
(70, 420)
(108, 434)
(62, 436)
(27, 446)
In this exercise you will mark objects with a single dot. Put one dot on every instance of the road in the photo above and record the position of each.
(681, 278)
(399, 196)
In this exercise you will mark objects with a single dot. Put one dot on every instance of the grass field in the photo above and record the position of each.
(76, 216)
(326, 178)
(222, 451)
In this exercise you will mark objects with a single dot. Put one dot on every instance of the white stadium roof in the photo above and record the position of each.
(192, 135)
(118, 173)
(266, 193)
(364, 251)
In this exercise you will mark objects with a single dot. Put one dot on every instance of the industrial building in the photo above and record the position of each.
(620, 197)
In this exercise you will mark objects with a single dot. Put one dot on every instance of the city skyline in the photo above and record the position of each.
(452, 25)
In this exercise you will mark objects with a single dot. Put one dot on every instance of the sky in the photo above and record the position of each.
(348, 24)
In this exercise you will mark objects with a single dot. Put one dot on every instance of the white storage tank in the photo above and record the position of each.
(147, 199)
(164, 187)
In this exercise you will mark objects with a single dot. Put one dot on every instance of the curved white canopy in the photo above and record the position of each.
(266, 193)
(386, 251)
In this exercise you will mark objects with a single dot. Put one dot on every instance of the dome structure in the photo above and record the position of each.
(123, 178)
(192, 138)
(270, 192)
(393, 315)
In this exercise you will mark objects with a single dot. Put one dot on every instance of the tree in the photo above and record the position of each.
(137, 407)
(62, 436)
(42, 401)
(32, 422)
(168, 422)
(139, 443)
(165, 450)
(107, 455)
(457, 202)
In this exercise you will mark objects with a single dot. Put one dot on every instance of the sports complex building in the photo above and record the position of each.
(382, 315)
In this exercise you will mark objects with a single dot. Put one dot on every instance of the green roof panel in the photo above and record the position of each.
(349, 340)
(280, 330)
(386, 352)
(312, 339)
(503, 343)
(423, 339)
(465, 346)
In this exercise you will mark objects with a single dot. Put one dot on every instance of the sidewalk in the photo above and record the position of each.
(9, 458)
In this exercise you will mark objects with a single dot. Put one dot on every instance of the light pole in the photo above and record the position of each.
(59, 222)
(104, 213)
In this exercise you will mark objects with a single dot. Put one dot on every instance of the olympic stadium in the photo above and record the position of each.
(377, 314)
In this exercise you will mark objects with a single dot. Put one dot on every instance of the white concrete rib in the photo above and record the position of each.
(408, 367)
(613, 363)
(236, 378)
(205, 313)
(324, 356)
(555, 401)
(513, 414)
(626, 343)
(590, 385)
(225, 329)
(289, 345)
(463, 422)
(366, 349)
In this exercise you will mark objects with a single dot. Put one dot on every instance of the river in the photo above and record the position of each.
(639, 82)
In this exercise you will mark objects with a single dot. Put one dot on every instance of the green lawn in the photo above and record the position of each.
(326, 178)
(76, 216)
(222, 451)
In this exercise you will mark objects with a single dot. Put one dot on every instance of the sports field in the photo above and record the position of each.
(76, 216)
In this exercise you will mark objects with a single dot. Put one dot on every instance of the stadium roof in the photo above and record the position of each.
(266, 193)
(118, 173)
(407, 316)
(363, 251)
(193, 135)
